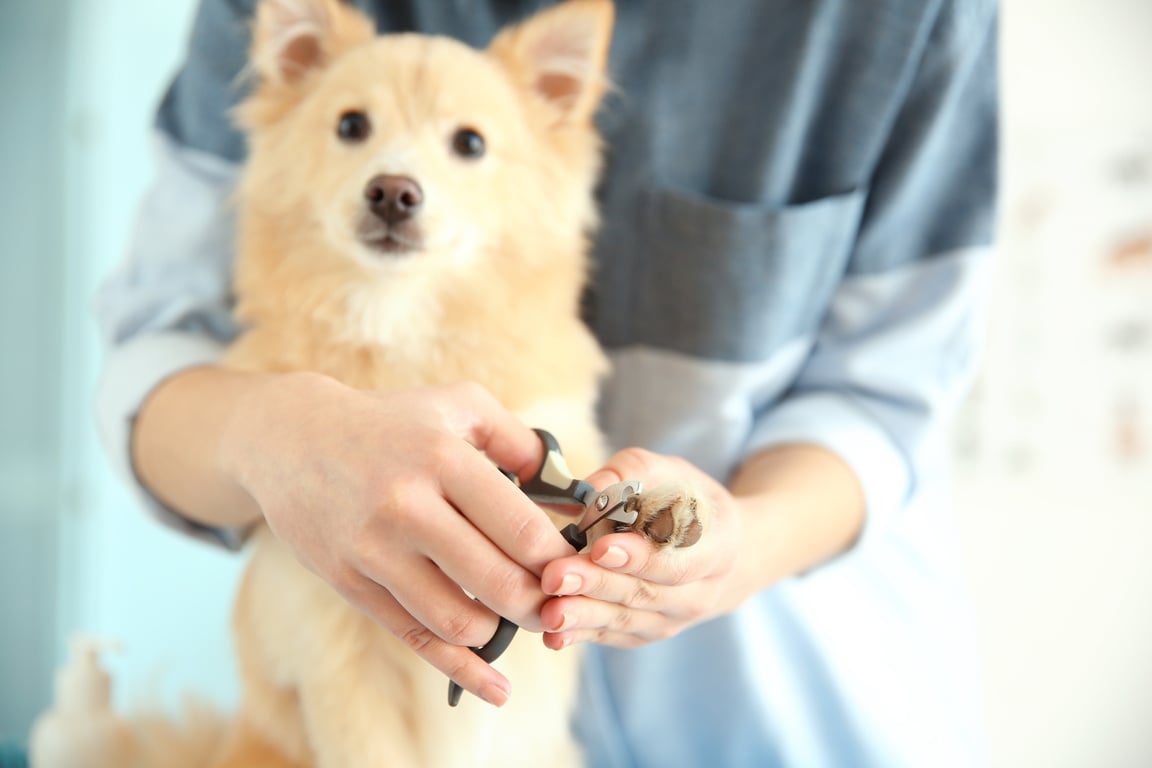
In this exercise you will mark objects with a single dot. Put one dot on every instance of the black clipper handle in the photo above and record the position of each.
(574, 536)
(490, 651)
(553, 483)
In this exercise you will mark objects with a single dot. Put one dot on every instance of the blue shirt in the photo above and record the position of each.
(798, 207)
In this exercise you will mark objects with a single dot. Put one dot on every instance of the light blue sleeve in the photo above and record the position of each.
(168, 305)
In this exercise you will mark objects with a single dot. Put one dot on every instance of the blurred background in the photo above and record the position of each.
(1053, 450)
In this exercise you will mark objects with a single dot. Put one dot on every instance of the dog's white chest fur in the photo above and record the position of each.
(399, 314)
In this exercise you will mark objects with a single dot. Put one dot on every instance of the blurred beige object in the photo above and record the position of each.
(1132, 253)
(81, 722)
(1054, 467)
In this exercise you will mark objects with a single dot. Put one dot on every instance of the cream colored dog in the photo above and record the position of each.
(416, 212)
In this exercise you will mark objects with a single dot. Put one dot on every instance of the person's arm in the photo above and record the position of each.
(842, 451)
(176, 445)
(802, 506)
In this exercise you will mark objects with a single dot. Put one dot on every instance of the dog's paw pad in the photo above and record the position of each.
(669, 516)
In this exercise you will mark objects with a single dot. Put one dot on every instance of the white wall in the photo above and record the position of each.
(1055, 450)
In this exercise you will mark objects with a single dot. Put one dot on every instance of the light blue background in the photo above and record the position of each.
(78, 84)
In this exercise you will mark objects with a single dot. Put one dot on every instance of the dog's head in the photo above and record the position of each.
(414, 153)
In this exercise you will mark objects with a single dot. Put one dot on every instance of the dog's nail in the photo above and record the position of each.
(570, 585)
(494, 694)
(613, 557)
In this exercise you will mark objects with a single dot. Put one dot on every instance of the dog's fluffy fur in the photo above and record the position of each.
(481, 285)
(489, 295)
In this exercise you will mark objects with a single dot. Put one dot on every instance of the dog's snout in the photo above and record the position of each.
(394, 198)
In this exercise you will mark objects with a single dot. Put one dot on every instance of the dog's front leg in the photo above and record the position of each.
(354, 709)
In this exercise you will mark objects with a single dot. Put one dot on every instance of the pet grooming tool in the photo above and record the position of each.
(554, 484)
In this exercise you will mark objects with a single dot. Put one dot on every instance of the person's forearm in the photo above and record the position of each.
(177, 444)
(803, 506)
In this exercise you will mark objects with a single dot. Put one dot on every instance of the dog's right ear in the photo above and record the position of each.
(293, 39)
(560, 57)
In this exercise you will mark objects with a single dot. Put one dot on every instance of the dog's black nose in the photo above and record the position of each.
(394, 198)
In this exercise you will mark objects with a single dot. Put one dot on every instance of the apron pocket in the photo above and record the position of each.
(734, 281)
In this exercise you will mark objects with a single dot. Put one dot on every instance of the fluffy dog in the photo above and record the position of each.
(416, 212)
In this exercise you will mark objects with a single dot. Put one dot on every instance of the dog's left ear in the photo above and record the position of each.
(561, 55)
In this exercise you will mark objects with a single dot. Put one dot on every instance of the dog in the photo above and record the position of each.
(416, 212)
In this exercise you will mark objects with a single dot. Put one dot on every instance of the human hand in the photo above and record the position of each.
(626, 592)
(392, 499)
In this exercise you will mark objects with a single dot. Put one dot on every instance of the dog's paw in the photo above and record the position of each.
(672, 515)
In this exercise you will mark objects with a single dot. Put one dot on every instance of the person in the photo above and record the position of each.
(798, 210)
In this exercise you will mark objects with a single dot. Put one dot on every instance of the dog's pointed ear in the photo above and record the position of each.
(561, 56)
(293, 38)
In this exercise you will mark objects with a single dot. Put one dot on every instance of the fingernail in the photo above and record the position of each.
(562, 624)
(570, 585)
(494, 694)
(613, 557)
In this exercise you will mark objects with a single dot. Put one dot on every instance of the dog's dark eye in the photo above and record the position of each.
(468, 143)
(353, 127)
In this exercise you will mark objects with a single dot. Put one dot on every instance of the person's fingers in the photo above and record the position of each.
(476, 416)
(616, 598)
(560, 640)
(429, 553)
(581, 619)
(436, 601)
(628, 464)
(632, 554)
(494, 505)
(463, 555)
(616, 560)
(577, 575)
(457, 662)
